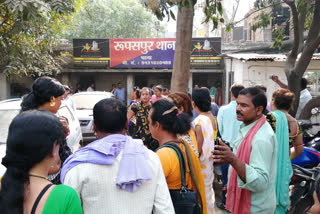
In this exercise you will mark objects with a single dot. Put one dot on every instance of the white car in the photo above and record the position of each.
(10, 108)
(84, 103)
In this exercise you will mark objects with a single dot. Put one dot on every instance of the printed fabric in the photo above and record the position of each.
(142, 130)
(206, 160)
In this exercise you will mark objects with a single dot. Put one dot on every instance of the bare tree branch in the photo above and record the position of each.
(255, 11)
(302, 20)
(296, 28)
(314, 27)
(312, 41)
(316, 43)
(234, 12)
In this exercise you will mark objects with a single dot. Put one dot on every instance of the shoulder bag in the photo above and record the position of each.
(185, 201)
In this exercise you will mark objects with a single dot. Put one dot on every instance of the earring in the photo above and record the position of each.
(52, 101)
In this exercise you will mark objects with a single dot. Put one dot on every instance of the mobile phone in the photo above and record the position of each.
(271, 76)
(217, 141)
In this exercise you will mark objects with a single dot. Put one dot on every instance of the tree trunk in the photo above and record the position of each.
(181, 65)
(295, 70)
(294, 86)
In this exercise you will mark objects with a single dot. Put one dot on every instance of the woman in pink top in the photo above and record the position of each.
(157, 94)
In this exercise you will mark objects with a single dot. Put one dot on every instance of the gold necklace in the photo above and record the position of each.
(39, 176)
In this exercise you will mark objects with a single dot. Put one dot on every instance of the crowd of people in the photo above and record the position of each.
(134, 165)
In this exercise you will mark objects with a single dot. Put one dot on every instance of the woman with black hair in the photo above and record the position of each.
(32, 153)
(157, 94)
(205, 126)
(184, 105)
(47, 94)
(140, 110)
(289, 134)
(165, 124)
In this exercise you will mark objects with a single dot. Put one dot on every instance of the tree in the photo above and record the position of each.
(112, 19)
(305, 16)
(29, 30)
(181, 66)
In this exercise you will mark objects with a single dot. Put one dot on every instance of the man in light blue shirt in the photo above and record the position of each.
(228, 126)
(120, 93)
(258, 176)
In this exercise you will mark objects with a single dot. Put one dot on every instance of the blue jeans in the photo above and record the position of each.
(224, 169)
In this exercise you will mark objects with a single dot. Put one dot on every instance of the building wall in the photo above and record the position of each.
(251, 73)
(238, 68)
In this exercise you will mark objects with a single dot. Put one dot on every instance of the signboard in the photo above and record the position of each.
(205, 51)
(142, 53)
(91, 52)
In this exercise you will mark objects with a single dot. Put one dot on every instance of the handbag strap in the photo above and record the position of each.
(35, 205)
(192, 173)
(179, 154)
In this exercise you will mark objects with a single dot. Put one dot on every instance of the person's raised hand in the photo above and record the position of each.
(275, 78)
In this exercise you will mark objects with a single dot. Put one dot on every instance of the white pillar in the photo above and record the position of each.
(4, 87)
(190, 85)
(130, 85)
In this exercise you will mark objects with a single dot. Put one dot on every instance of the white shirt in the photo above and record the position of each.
(68, 101)
(90, 89)
(96, 188)
(305, 97)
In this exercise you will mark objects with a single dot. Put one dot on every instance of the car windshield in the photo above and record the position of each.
(6, 116)
(87, 101)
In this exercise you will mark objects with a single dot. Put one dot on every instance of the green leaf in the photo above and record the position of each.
(159, 14)
(220, 9)
(228, 28)
(186, 3)
(172, 15)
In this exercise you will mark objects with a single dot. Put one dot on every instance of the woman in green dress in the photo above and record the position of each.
(32, 153)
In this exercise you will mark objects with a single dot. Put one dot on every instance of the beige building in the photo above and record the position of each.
(280, 18)
(254, 69)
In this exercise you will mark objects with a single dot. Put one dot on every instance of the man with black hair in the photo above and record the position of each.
(91, 87)
(227, 118)
(264, 89)
(120, 93)
(251, 187)
(115, 173)
(305, 95)
(228, 126)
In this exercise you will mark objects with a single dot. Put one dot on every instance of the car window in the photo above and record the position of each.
(87, 101)
(65, 112)
(6, 116)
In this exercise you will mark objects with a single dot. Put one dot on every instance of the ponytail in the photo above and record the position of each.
(31, 137)
(166, 113)
(43, 89)
(12, 190)
(182, 124)
(29, 102)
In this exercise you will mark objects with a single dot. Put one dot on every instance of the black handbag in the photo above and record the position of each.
(185, 201)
